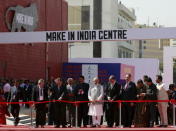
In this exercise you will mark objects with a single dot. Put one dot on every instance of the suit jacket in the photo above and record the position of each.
(173, 95)
(81, 92)
(57, 93)
(129, 93)
(114, 92)
(151, 92)
(35, 95)
(70, 93)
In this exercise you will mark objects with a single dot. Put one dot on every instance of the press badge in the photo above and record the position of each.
(41, 98)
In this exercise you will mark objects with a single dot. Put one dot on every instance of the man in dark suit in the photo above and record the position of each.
(58, 92)
(129, 92)
(151, 94)
(51, 113)
(27, 92)
(14, 96)
(81, 93)
(40, 94)
(112, 94)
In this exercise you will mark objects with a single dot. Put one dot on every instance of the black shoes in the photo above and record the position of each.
(93, 126)
(37, 126)
(163, 126)
(57, 126)
(16, 121)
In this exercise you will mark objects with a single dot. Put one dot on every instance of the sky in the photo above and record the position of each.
(162, 12)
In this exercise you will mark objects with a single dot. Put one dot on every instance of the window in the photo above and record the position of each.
(119, 53)
(85, 18)
(124, 54)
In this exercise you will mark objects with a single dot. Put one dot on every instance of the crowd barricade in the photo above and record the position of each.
(76, 103)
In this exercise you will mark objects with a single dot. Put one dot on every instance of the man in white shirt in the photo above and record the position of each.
(162, 106)
(6, 89)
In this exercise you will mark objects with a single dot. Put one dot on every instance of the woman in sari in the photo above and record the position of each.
(3, 109)
(141, 112)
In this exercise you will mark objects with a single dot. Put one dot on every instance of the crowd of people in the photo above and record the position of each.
(97, 102)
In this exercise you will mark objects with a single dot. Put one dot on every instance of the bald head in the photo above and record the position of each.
(41, 83)
(128, 77)
(96, 80)
(70, 81)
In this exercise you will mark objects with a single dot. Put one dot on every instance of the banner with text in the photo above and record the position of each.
(88, 35)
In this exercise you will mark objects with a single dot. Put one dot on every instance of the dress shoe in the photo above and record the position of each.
(160, 126)
(165, 126)
(93, 126)
(56, 126)
(16, 121)
(98, 126)
(109, 126)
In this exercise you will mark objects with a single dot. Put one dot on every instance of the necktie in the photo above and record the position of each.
(111, 86)
(41, 92)
(126, 86)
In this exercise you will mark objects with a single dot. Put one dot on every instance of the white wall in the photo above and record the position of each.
(82, 50)
(143, 67)
(110, 14)
(169, 54)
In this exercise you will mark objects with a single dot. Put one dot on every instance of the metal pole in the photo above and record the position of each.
(67, 115)
(174, 115)
(76, 116)
(31, 116)
(120, 115)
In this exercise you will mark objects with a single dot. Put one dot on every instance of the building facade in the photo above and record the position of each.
(28, 60)
(172, 42)
(151, 48)
(100, 14)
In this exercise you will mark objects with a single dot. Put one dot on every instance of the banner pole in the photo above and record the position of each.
(120, 115)
(67, 115)
(174, 115)
(31, 116)
(76, 115)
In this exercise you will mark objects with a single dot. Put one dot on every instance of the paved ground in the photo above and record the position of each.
(27, 124)
(25, 116)
(48, 128)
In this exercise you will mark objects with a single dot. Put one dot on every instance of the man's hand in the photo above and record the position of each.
(109, 98)
(32, 105)
(142, 94)
(60, 98)
(132, 104)
(93, 102)
(8, 114)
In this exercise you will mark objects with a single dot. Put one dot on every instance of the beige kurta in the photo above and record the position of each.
(162, 92)
(162, 106)
(95, 93)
